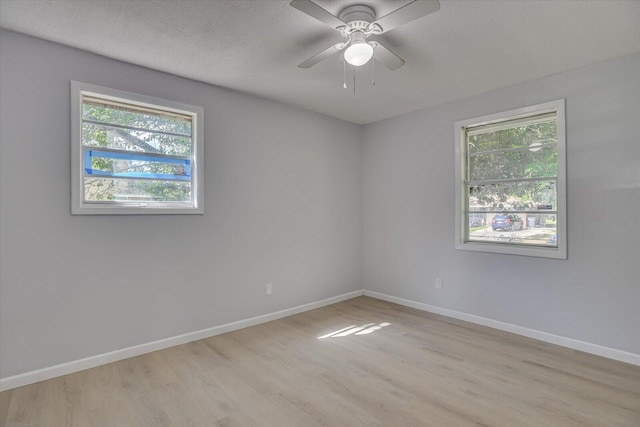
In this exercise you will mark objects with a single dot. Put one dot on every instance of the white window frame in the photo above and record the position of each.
(461, 208)
(80, 207)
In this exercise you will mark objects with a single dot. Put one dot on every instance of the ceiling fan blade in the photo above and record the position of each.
(315, 11)
(410, 12)
(386, 57)
(322, 55)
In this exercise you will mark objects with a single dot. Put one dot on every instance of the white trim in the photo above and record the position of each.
(599, 350)
(43, 374)
(459, 126)
(125, 353)
(79, 207)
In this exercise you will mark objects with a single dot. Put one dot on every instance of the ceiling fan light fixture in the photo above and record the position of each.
(358, 53)
(358, 22)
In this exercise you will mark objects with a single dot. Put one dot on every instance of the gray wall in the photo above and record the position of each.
(408, 206)
(282, 202)
(297, 199)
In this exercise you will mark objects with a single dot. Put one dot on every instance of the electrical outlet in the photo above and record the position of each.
(438, 283)
(268, 289)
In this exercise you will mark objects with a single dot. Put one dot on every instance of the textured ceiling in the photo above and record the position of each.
(254, 46)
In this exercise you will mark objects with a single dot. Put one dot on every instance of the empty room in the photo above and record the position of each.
(319, 213)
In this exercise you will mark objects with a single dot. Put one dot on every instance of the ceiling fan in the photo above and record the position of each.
(356, 24)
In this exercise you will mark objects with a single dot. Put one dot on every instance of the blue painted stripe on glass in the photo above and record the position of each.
(88, 166)
(87, 162)
(136, 156)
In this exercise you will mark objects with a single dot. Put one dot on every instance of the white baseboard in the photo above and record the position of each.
(611, 353)
(113, 356)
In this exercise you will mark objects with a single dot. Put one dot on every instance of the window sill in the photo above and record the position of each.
(531, 251)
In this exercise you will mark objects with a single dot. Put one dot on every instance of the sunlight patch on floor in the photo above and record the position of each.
(355, 330)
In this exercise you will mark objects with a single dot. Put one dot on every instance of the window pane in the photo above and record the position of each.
(132, 190)
(512, 134)
(132, 140)
(134, 154)
(518, 196)
(509, 228)
(522, 163)
(133, 165)
(128, 115)
(511, 182)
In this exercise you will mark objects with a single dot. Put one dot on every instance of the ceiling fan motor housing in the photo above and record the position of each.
(358, 18)
(358, 12)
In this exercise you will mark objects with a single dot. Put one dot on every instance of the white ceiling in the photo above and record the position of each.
(467, 47)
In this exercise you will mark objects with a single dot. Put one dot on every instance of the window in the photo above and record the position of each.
(510, 189)
(133, 154)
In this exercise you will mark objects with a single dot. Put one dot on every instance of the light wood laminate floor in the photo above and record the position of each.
(403, 367)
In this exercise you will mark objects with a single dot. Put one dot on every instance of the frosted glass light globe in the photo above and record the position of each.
(358, 53)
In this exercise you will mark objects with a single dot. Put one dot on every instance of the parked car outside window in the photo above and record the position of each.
(508, 222)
